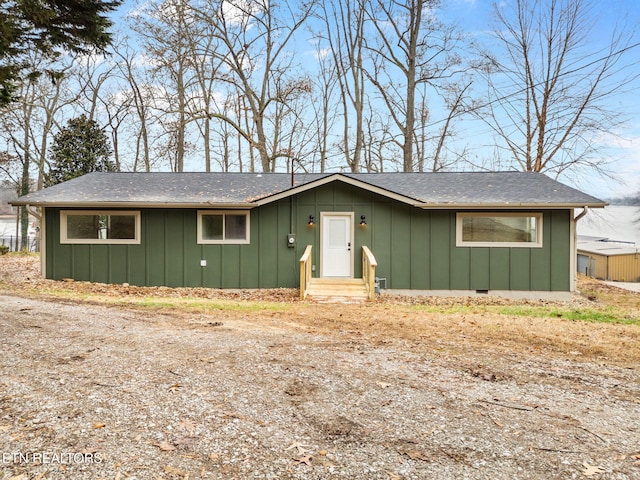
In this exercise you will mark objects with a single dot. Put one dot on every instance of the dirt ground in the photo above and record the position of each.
(119, 382)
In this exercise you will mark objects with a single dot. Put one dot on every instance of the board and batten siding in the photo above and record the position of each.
(415, 249)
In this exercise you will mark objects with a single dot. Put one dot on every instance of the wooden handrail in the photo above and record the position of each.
(305, 271)
(369, 265)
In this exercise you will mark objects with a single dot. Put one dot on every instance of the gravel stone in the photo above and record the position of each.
(93, 391)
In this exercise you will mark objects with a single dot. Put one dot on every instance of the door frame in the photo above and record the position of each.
(351, 233)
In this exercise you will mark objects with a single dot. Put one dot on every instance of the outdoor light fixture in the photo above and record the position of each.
(312, 221)
(363, 221)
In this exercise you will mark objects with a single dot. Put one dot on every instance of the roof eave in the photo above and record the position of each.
(505, 206)
(245, 205)
(203, 205)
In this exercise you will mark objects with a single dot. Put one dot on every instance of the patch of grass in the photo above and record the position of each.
(446, 309)
(151, 302)
(55, 293)
(23, 253)
(203, 305)
(606, 315)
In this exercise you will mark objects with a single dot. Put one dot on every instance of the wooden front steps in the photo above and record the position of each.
(346, 290)
(337, 290)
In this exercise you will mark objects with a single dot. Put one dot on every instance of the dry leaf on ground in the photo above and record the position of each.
(590, 470)
(174, 471)
(188, 425)
(305, 459)
(416, 455)
(165, 446)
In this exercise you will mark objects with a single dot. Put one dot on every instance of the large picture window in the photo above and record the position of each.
(223, 226)
(99, 226)
(499, 229)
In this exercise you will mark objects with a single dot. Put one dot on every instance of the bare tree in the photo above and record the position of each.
(549, 87)
(224, 146)
(163, 27)
(10, 171)
(138, 94)
(411, 49)
(253, 50)
(202, 46)
(102, 97)
(27, 126)
(455, 106)
(324, 105)
(344, 34)
(117, 108)
(92, 72)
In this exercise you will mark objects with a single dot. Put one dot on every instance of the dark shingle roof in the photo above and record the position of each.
(161, 187)
(477, 188)
(441, 189)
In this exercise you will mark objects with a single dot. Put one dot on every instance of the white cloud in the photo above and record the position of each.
(139, 10)
(322, 53)
(237, 11)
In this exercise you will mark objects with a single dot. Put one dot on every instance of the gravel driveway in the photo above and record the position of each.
(103, 392)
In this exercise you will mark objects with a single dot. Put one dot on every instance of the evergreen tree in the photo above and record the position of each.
(81, 147)
(48, 27)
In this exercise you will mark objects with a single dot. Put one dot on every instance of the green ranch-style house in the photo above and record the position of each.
(504, 233)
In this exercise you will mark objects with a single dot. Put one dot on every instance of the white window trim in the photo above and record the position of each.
(537, 244)
(99, 241)
(233, 241)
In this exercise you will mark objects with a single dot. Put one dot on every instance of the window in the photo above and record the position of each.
(99, 226)
(499, 230)
(223, 227)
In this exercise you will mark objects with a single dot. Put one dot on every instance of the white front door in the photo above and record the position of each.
(336, 240)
